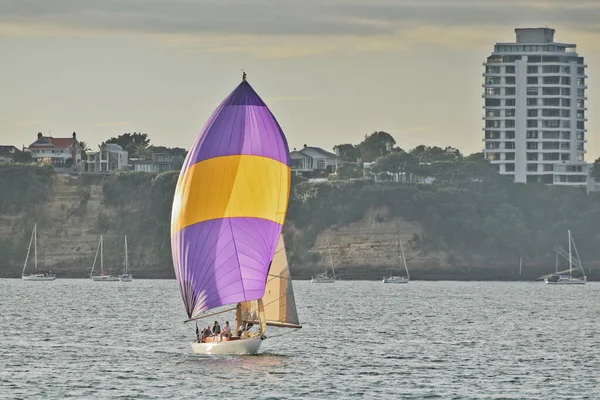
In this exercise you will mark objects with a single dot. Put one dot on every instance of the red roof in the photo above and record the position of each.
(52, 143)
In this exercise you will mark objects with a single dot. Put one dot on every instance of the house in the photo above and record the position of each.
(110, 157)
(163, 160)
(63, 152)
(311, 160)
(7, 153)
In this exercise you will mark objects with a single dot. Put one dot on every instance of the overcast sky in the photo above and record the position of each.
(330, 70)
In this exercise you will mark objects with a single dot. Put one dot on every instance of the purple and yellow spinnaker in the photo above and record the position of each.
(230, 204)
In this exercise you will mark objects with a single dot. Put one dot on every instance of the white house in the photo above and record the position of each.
(7, 153)
(110, 157)
(64, 152)
(311, 159)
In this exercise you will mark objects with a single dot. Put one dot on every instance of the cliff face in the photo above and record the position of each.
(446, 233)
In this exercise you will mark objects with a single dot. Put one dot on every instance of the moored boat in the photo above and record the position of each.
(102, 277)
(561, 278)
(395, 278)
(36, 275)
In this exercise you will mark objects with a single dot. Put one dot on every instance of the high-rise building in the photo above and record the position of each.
(535, 109)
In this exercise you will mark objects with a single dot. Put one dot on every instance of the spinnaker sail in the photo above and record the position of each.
(230, 204)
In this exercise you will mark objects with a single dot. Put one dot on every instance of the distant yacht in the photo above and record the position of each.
(396, 278)
(561, 278)
(126, 277)
(36, 276)
(323, 277)
(102, 277)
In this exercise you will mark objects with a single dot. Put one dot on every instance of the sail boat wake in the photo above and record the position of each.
(228, 212)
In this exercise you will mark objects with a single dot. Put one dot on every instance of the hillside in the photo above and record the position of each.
(475, 231)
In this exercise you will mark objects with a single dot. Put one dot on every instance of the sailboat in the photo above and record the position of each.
(395, 278)
(102, 277)
(323, 277)
(228, 213)
(560, 277)
(35, 276)
(126, 277)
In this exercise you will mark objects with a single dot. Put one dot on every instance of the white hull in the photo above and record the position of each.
(322, 280)
(38, 278)
(241, 347)
(105, 278)
(395, 279)
(569, 282)
(126, 278)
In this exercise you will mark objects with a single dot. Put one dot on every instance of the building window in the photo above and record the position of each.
(492, 69)
(509, 69)
(550, 91)
(550, 157)
(532, 80)
(580, 114)
(532, 167)
(492, 113)
(580, 157)
(509, 134)
(492, 124)
(492, 91)
(532, 134)
(532, 69)
(532, 156)
(565, 80)
(580, 93)
(565, 146)
(580, 125)
(579, 146)
(509, 167)
(509, 112)
(551, 123)
(551, 80)
(550, 69)
(492, 102)
(565, 91)
(532, 123)
(492, 145)
(532, 102)
(534, 59)
(580, 136)
(550, 135)
(566, 102)
(492, 80)
(565, 135)
(510, 80)
(553, 102)
(532, 146)
(509, 123)
(492, 135)
(532, 113)
(565, 113)
(548, 167)
(565, 124)
(580, 104)
(509, 102)
(566, 69)
(580, 81)
(509, 156)
(320, 164)
(509, 91)
(564, 156)
(550, 146)
(532, 91)
(551, 113)
(509, 145)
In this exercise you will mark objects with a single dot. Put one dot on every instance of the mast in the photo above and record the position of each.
(28, 250)
(520, 265)
(35, 244)
(126, 261)
(556, 262)
(330, 258)
(570, 256)
(94, 263)
(101, 257)
(404, 259)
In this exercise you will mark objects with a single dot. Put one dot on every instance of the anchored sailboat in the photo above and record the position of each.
(126, 277)
(395, 278)
(323, 277)
(102, 277)
(228, 212)
(560, 278)
(35, 276)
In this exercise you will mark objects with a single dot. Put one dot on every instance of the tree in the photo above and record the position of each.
(22, 157)
(428, 154)
(399, 162)
(596, 170)
(348, 152)
(375, 145)
(134, 143)
(84, 149)
(348, 170)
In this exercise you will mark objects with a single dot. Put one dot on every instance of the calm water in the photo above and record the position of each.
(447, 340)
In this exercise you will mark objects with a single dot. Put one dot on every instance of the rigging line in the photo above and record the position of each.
(282, 334)
(209, 315)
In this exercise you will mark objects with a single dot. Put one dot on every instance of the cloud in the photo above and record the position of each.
(292, 18)
(32, 123)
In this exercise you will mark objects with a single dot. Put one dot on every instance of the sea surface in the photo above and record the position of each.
(365, 340)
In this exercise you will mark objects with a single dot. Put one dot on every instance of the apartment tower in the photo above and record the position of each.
(535, 108)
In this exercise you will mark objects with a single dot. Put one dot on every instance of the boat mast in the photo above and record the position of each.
(404, 259)
(570, 257)
(330, 258)
(520, 265)
(28, 250)
(556, 261)
(94, 263)
(126, 263)
(35, 244)
(101, 257)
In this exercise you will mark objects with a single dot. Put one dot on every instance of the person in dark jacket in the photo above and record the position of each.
(216, 328)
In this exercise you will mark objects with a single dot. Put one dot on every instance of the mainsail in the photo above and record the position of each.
(278, 301)
(230, 204)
